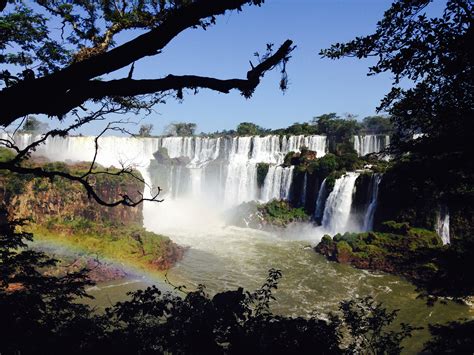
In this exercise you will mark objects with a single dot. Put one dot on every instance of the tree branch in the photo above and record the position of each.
(58, 84)
(16, 164)
(125, 199)
(97, 90)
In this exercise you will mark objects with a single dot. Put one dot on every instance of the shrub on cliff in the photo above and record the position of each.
(262, 171)
(281, 213)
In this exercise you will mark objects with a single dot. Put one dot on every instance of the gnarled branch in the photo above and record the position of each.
(97, 90)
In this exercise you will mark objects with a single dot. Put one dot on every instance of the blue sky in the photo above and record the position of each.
(317, 85)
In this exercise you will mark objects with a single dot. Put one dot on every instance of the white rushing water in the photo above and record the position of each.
(374, 193)
(219, 172)
(338, 204)
(277, 183)
(370, 143)
(442, 224)
(220, 169)
(320, 201)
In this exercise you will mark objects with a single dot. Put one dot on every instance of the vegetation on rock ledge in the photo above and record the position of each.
(414, 253)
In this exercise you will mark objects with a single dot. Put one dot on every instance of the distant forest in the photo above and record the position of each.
(327, 124)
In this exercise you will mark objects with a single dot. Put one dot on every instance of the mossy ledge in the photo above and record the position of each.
(274, 214)
(131, 245)
(397, 248)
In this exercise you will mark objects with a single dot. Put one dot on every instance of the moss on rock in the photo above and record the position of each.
(398, 249)
(262, 171)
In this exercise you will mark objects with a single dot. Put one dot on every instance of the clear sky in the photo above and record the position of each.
(317, 85)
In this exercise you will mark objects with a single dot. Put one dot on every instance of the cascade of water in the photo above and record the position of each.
(338, 204)
(267, 149)
(241, 183)
(272, 183)
(315, 143)
(320, 201)
(303, 191)
(223, 169)
(370, 143)
(113, 151)
(374, 192)
(277, 183)
(442, 224)
(287, 179)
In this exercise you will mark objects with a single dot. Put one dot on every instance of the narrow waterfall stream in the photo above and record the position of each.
(442, 224)
(374, 193)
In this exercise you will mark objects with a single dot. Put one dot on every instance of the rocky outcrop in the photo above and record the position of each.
(60, 210)
(40, 199)
(268, 216)
(397, 249)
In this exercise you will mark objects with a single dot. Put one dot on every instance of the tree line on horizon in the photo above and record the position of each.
(327, 124)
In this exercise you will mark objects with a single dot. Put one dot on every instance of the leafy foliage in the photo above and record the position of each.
(180, 129)
(454, 337)
(415, 253)
(249, 129)
(35, 304)
(432, 54)
(33, 125)
(377, 125)
(281, 213)
(145, 130)
(367, 322)
(262, 171)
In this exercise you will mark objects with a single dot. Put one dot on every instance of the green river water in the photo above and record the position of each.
(225, 258)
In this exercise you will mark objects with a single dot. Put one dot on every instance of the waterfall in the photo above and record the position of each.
(272, 183)
(277, 183)
(241, 181)
(338, 204)
(220, 169)
(287, 179)
(315, 143)
(320, 202)
(370, 143)
(442, 224)
(374, 192)
(303, 191)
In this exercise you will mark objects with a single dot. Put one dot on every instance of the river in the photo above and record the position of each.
(225, 257)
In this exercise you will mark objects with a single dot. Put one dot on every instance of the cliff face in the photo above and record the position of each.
(42, 199)
(61, 211)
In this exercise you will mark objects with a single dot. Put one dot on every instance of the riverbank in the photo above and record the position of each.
(110, 252)
(416, 254)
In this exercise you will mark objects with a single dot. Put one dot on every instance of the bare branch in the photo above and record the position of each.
(15, 165)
